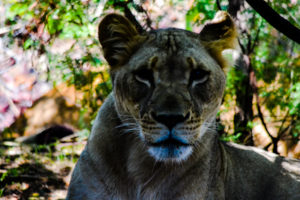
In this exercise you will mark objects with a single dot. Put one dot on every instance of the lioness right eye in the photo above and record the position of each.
(199, 76)
(144, 76)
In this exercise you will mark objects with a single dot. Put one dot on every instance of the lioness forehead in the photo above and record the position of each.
(174, 48)
(174, 40)
(120, 40)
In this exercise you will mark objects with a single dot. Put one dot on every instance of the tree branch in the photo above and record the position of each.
(278, 22)
(132, 18)
(261, 117)
(282, 123)
(255, 39)
(241, 46)
(140, 9)
(234, 6)
(267, 146)
(129, 15)
(218, 4)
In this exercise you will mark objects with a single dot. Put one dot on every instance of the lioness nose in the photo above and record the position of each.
(169, 120)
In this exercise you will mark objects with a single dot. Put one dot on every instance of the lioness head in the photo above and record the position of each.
(167, 84)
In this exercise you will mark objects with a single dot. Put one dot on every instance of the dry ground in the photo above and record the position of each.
(37, 171)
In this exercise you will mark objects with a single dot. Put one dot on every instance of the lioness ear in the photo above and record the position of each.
(219, 34)
(118, 38)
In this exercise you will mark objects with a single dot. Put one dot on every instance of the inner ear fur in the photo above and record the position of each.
(218, 35)
(118, 38)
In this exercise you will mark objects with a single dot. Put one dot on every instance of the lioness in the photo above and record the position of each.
(154, 137)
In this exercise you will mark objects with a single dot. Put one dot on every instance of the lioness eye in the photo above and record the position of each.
(144, 76)
(199, 76)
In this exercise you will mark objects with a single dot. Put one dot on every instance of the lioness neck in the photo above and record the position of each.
(114, 148)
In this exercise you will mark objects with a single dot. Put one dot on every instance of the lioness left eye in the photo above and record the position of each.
(144, 76)
(199, 76)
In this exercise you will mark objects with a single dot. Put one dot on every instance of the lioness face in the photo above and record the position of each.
(168, 88)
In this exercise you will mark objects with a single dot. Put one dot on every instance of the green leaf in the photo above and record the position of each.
(28, 43)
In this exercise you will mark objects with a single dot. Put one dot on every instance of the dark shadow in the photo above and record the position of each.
(49, 135)
(34, 176)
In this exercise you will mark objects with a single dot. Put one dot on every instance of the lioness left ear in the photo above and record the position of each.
(218, 35)
(118, 37)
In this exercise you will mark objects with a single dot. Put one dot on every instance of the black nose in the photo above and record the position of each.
(170, 120)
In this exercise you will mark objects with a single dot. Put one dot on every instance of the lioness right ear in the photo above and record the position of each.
(118, 37)
(218, 35)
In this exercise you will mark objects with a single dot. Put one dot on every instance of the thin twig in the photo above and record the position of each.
(261, 117)
(7, 29)
(283, 121)
(129, 14)
(268, 145)
(241, 46)
(260, 114)
(218, 4)
(286, 128)
(255, 39)
(140, 9)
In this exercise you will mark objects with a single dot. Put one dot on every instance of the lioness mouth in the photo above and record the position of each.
(169, 142)
(170, 149)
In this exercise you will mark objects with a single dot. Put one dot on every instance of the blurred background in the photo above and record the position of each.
(53, 79)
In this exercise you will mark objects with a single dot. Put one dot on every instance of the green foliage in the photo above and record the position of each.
(231, 138)
(49, 21)
(234, 79)
(1, 192)
(274, 58)
(294, 103)
(201, 11)
(276, 64)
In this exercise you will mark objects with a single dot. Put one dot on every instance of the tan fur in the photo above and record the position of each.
(217, 41)
(155, 137)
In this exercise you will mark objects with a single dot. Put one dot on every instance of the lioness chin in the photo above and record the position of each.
(154, 137)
